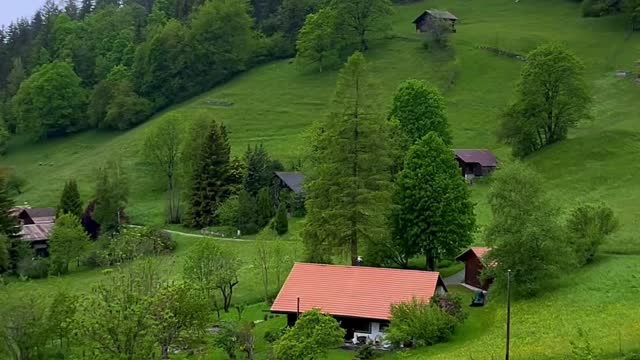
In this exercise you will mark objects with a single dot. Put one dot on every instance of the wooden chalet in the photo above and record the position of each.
(473, 260)
(359, 297)
(476, 163)
(426, 22)
(36, 225)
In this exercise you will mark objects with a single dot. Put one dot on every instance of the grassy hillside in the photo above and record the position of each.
(275, 103)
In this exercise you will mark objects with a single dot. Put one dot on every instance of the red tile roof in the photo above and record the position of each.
(353, 291)
(479, 252)
(482, 157)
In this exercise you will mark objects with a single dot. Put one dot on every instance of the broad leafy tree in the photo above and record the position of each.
(361, 19)
(432, 212)
(318, 41)
(348, 187)
(313, 335)
(162, 148)
(419, 109)
(67, 243)
(70, 202)
(212, 269)
(588, 225)
(41, 112)
(551, 97)
(210, 177)
(524, 233)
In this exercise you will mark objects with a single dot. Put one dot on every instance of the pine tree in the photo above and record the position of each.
(433, 214)
(264, 205)
(111, 196)
(348, 189)
(247, 214)
(210, 182)
(258, 169)
(70, 202)
(8, 223)
(281, 224)
(71, 9)
(85, 8)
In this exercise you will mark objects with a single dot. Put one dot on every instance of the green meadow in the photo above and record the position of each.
(275, 103)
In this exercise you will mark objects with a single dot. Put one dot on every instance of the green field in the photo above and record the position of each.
(276, 103)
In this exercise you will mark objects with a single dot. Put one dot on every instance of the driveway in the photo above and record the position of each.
(455, 279)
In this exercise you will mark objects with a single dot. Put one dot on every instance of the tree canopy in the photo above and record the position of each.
(552, 96)
(311, 337)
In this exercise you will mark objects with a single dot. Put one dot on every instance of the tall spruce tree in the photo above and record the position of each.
(258, 169)
(433, 214)
(210, 178)
(264, 208)
(111, 194)
(281, 224)
(348, 188)
(70, 202)
(8, 223)
(247, 214)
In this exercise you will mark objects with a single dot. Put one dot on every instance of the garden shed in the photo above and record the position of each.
(473, 260)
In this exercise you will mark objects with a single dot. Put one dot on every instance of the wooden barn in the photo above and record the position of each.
(473, 267)
(427, 20)
(476, 163)
(36, 225)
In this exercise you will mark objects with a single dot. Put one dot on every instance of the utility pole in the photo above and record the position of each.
(508, 312)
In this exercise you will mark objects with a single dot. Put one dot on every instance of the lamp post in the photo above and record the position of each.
(508, 312)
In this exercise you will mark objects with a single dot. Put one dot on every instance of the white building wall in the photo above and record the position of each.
(375, 335)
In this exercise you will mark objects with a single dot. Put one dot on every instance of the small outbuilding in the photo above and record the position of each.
(29, 216)
(426, 22)
(291, 181)
(358, 297)
(476, 163)
(473, 260)
(37, 236)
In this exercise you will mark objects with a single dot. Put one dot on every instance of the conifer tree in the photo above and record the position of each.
(281, 225)
(264, 208)
(70, 202)
(247, 213)
(348, 189)
(8, 223)
(210, 178)
(111, 196)
(258, 169)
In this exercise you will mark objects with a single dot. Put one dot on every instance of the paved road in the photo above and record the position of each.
(455, 279)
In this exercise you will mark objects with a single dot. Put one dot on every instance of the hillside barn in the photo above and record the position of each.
(473, 260)
(358, 297)
(36, 225)
(426, 22)
(475, 163)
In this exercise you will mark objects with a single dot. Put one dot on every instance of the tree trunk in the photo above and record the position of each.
(164, 349)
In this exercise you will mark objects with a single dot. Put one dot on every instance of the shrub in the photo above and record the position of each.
(589, 225)
(34, 268)
(418, 323)
(281, 223)
(365, 353)
(271, 336)
(133, 243)
(632, 356)
(450, 304)
(228, 213)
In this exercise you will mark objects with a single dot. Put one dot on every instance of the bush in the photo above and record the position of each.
(228, 213)
(133, 243)
(451, 305)
(632, 356)
(271, 336)
(34, 268)
(589, 225)
(595, 8)
(365, 353)
(420, 324)
(281, 222)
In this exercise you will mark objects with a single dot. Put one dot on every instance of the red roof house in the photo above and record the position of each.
(473, 266)
(359, 297)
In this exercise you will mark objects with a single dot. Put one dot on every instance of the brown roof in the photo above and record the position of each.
(36, 232)
(438, 14)
(482, 157)
(479, 252)
(353, 291)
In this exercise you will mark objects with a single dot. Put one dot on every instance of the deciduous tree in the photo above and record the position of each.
(524, 233)
(162, 147)
(318, 40)
(43, 113)
(211, 269)
(348, 189)
(313, 335)
(363, 18)
(588, 226)
(111, 196)
(551, 97)
(68, 242)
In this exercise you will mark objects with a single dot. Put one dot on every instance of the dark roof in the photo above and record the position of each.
(439, 14)
(41, 212)
(482, 157)
(294, 180)
(35, 232)
(354, 291)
